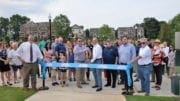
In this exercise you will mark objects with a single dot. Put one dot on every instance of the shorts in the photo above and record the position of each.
(63, 70)
(72, 69)
(4, 67)
(15, 68)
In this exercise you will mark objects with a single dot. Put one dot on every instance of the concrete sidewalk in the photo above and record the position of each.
(72, 93)
(72, 96)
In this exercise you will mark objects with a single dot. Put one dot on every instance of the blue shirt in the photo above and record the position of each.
(109, 55)
(71, 58)
(60, 48)
(126, 53)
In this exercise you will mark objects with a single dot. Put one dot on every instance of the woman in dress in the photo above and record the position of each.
(4, 65)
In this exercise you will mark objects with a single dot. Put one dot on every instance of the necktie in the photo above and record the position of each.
(31, 53)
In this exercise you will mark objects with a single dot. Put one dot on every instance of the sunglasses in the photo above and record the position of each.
(142, 42)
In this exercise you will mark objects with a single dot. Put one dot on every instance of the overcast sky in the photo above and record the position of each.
(93, 13)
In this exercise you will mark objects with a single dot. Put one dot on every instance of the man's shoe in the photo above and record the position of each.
(152, 81)
(84, 83)
(141, 91)
(136, 80)
(123, 89)
(147, 94)
(127, 93)
(113, 87)
(95, 86)
(120, 83)
(70, 79)
(99, 89)
(53, 84)
(9, 83)
(79, 86)
(107, 85)
(56, 83)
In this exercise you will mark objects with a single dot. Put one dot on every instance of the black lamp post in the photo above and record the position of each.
(136, 32)
(50, 28)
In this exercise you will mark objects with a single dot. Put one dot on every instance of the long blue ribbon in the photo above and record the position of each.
(55, 65)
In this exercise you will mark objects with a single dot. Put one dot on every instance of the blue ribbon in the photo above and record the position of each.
(56, 65)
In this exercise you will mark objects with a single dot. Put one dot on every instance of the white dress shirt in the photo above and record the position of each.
(166, 51)
(146, 56)
(97, 52)
(13, 55)
(24, 52)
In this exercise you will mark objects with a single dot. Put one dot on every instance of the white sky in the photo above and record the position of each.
(93, 13)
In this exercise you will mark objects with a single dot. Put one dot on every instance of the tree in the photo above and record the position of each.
(151, 28)
(175, 26)
(16, 21)
(175, 23)
(166, 33)
(87, 33)
(61, 25)
(105, 32)
(4, 24)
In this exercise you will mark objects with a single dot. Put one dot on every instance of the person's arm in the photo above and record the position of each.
(116, 55)
(1, 59)
(96, 52)
(57, 51)
(39, 54)
(19, 53)
(133, 50)
(76, 51)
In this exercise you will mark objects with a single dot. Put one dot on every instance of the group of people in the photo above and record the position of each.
(150, 57)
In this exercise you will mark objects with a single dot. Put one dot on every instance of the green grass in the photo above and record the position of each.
(14, 94)
(151, 98)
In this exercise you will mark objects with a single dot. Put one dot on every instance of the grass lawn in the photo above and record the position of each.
(14, 94)
(151, 98)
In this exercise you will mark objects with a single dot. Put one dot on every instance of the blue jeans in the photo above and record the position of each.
(144, 75)
(97, 74)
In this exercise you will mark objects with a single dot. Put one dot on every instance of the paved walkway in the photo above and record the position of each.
(72, 93)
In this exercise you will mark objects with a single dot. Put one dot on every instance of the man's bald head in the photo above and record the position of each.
(30, 38)
(94, 40)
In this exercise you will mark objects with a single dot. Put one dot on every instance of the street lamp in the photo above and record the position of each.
(50, 28)
(136, 31)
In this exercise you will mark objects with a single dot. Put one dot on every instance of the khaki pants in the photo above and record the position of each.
(80, 76)
(29, 70)
(63, 76)
(54, 74)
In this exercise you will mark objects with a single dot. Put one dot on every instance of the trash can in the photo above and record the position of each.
(175, 85)
(177, 57)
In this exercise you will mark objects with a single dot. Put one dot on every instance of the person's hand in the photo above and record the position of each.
(6, 62)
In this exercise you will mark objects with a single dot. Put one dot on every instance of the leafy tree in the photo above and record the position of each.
(105, 32)
(151, 28)
(4, 24)
(61, 25)
(175, 26)
(166, 33)
(175, 23)
(16, 21)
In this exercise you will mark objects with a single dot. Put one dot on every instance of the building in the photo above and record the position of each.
(78, 31)
(39, 30)
(136, 31)
(139, 31)
(125, 31)
(93, 32)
